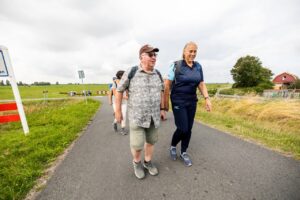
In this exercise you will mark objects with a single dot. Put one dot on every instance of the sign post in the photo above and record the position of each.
(82, 76)
(6, 70)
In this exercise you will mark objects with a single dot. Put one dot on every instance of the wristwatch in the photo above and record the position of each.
(162, 109)
(206, 97)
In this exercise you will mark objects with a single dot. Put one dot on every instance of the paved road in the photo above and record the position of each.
(224, 167)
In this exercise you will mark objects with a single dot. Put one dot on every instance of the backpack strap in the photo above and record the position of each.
(115, 83)
(178, 64)
(176, 69)
(132, 72)
(159, 74)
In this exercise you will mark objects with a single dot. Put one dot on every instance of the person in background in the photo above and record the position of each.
(145, 108)
(111, 100)
(124, 104)
(110, 93)
(183, 79)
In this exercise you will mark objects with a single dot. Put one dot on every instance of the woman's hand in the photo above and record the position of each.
(208, 105)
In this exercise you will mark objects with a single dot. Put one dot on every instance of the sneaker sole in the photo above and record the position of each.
(138, 176)
(173, 158)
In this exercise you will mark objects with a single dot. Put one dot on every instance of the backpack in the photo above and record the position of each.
(178, 64)
(135, 68)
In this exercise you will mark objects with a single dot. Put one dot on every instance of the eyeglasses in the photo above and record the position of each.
(151, 54)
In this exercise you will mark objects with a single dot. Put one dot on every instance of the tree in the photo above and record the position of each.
(295, 85)
(1, 83)
(249, 72)
(7, 82)
(57, 83)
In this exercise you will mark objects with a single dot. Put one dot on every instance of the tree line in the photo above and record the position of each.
(20, 83)
(248, 72)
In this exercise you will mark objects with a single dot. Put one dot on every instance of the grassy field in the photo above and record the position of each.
(53, 90)
(211, 86)
(27, 92)
(23, 159)
(274, 124)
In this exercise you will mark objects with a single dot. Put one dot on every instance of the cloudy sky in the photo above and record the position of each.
(52, 40)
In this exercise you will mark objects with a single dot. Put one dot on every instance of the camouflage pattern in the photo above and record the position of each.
(144, 97)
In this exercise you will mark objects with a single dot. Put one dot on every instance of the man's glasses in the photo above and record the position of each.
(151, 54)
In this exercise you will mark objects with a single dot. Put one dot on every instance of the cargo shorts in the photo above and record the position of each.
(138, 135)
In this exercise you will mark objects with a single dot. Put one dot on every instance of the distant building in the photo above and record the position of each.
(283, 80)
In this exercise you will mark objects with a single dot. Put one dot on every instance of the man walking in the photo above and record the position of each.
(145, 108)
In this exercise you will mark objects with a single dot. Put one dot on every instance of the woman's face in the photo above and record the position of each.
(190, 53)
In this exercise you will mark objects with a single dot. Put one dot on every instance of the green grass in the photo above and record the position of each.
(53, 126)
(211, 86)
(53, 90)
(274, 124)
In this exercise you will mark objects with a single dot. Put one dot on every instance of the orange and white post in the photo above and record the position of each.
(6, 70)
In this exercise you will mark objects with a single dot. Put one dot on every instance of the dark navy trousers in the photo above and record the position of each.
(184, 115)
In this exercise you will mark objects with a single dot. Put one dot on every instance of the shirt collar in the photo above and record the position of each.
(185, 64)
(140, 69)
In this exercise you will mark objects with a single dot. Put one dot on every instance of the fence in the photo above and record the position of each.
(289, 94)
(102, 92)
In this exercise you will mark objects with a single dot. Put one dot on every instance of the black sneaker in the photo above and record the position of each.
(186, 159)
(115, 126)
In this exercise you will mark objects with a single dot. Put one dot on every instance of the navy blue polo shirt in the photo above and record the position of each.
(184, 88)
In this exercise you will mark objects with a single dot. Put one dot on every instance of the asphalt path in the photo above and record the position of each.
(99, 166)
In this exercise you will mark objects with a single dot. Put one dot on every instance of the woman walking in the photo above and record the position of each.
(184, 77)
(124, 103)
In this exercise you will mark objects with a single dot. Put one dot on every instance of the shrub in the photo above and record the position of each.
(227, 91)
(212, 92)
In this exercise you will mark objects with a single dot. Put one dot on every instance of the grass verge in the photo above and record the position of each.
(274, 124)
(53, 126)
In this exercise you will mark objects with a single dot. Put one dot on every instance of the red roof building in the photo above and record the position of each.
(283, 80)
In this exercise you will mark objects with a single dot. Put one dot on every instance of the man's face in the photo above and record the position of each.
(148, 59)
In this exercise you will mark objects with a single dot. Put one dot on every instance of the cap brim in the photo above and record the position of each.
(153, 50)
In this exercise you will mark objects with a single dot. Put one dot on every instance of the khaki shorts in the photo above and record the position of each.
(138, 136)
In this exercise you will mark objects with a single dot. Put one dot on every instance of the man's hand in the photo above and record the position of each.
(163, 115)
(118, 116)
(208, 106)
